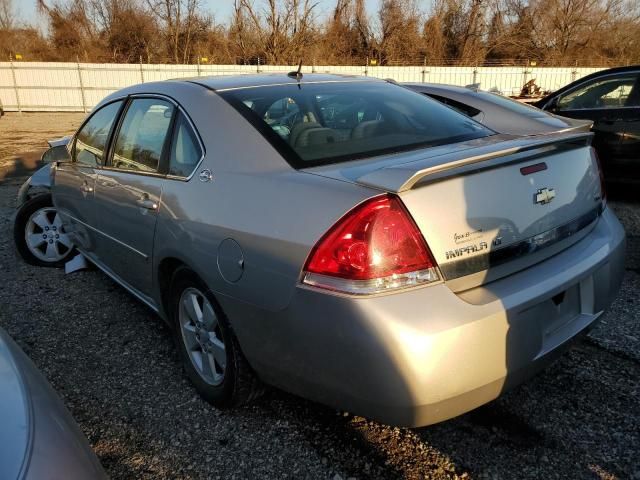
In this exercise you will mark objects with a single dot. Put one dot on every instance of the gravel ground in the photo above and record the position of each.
(114, 364)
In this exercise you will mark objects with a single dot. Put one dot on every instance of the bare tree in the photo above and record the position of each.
(7, 15)
(553, 32)
(284, 29)
(73, 35)
(400, 39)
(180, 22)
(340, 42)
(239, 33)
(434, 38)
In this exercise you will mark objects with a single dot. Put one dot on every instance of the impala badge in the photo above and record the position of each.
(544, 196)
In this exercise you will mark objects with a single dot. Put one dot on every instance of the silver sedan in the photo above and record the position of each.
(498, 112)
(342, 238)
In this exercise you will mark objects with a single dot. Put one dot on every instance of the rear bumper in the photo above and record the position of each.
(426, 355)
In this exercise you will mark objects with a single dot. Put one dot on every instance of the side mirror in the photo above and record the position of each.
(552, 106)
(57, 154)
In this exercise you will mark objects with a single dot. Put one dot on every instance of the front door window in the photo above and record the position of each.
(612, 92)
(92, 138)
(142, 136)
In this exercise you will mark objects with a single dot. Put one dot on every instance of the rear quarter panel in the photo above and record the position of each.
(274, 213)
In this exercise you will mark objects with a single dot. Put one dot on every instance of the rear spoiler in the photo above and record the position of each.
(575, 125)
(404, 176)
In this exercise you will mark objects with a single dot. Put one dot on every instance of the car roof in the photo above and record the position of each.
(629, 68)
(228, 82)
(470, 96)
(221, 83)
(599, 73)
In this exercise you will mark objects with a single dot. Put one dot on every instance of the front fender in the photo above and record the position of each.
(37, 184)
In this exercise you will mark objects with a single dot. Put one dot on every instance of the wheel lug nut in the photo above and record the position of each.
(46, 228)
(50, 241)
(44, 236)
(57, 236)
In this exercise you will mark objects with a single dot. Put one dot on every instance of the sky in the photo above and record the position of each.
(221, 9)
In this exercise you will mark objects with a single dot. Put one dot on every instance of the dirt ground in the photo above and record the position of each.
(115, 366)
(24, 138)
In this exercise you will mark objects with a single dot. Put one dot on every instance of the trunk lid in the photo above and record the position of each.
(491, 207)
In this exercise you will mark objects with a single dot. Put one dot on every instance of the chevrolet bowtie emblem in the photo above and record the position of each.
(544, 196)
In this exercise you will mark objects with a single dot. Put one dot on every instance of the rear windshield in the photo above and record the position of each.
(315, 124)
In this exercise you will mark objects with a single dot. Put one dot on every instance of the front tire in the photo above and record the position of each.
(39, 235)
(209, 350)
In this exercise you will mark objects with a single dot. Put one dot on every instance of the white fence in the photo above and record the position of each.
(37, 86)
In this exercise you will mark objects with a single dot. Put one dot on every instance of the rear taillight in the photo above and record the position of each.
(375, 247)
(603, 190)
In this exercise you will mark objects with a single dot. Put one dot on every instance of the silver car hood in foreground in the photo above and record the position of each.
(38, 437)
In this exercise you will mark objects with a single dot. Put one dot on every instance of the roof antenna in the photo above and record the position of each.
(298, 73)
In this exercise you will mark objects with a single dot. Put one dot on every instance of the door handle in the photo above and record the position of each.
(610, 120)
(146, 203)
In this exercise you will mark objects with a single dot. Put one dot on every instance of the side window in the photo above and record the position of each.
(142, 135)
(634, 96)
(92, 138)
(612, 92)
(185, 149)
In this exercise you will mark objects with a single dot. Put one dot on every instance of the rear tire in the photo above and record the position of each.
(209, 350)
(39, 235)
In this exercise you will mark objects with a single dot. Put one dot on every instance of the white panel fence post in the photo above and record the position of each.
(423, 74)
(15, 86)
(84, 101)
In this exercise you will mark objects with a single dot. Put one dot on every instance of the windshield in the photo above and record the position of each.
(315, 124)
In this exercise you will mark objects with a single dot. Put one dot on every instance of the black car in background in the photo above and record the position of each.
(611, 99)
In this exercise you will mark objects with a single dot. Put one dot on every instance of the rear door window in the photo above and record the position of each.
(142, 135)
(185, 149)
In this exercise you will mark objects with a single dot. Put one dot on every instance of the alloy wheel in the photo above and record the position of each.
(202, 337)
(45, 236)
